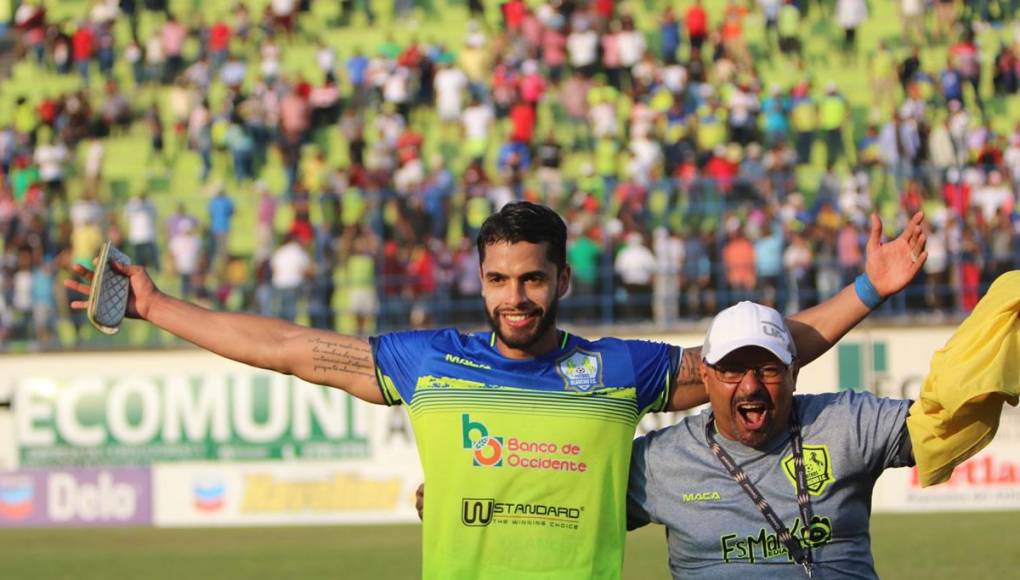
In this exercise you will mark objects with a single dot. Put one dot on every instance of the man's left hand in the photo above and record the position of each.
(892, 265)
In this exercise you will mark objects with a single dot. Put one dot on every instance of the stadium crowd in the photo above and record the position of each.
(688, 180)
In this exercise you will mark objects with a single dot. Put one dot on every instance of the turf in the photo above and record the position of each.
(931, 546)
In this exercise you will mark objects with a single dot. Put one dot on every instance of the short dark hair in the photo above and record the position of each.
(523, 221)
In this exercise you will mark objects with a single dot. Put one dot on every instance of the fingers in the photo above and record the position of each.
(917, 248)
(79, 304)
(875, 235)
(120, 267)
(914, 228)
(77, 286)
(82, 271)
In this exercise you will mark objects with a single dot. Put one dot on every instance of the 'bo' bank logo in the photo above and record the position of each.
(487, 451)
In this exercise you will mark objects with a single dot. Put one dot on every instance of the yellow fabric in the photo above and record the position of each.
(961, 400)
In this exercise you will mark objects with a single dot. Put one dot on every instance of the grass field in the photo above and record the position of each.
(930, 546)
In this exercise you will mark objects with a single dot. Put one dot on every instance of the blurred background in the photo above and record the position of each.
(331, 162)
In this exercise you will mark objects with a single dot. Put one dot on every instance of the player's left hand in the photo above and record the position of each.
(892, 265)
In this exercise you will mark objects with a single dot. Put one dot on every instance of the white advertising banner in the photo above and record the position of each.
(231, 444)
(143, 408)
(284, 492)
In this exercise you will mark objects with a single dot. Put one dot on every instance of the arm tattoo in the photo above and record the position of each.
(353, 357)
(687, 374)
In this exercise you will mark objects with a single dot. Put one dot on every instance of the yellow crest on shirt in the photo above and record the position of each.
(817, 469)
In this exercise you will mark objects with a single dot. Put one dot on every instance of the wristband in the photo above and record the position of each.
(867, 293)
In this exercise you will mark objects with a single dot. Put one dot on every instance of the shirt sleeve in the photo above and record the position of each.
(398, 356)
(879, 425)
(655, 365)
(639, 486)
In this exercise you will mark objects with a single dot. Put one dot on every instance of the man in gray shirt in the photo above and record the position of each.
(766, 484)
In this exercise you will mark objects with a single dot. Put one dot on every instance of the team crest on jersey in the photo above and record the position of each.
(581, 370)
(817, 468)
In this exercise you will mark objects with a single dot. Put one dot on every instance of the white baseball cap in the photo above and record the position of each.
(748, 324)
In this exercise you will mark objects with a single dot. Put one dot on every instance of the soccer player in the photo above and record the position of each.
(525, 432)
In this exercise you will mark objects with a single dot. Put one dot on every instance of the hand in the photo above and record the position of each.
(892, 265)
(143, 293)
(419, 501)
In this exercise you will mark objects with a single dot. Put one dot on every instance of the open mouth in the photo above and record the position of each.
(753, 414)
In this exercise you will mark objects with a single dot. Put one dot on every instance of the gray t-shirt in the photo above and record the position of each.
(713, 528)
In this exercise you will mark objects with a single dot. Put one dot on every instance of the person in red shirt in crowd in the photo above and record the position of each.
(532, 84)
(721, 169)
(912, 197)
(411, 56)
(219, 43)
(956, 192)
(409, 145)
(731, 32)
(605, 10)
(47, 109)
(83, 48)
(421, 269)
(522, 117)
(696, 20)
(513, 15)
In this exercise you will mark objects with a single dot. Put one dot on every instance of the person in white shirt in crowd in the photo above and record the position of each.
(52, 159)
(95, 153)
(669, 255)
(450, 83)
(185, 249)
(636, 266)
(583, 46)
(290, 266)
(140, 221)
(992, 196)
(477, 121)
(851, 15)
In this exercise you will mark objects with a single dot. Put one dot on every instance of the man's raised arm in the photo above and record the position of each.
(889, 267)
(317, 356)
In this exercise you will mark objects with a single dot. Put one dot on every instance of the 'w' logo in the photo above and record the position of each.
(476, 511)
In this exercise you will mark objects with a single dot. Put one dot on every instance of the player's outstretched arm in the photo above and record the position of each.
(890, 266)
(317, 356)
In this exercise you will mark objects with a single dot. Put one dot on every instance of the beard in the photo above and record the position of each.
(547, 319)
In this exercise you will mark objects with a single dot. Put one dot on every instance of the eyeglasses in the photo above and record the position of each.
(769, 374)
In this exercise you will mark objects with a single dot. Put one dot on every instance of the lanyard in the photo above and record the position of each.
(800, 553)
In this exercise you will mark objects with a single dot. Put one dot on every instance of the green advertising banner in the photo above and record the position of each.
(136, 419)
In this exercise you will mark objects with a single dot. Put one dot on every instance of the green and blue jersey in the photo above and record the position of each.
(526, 460)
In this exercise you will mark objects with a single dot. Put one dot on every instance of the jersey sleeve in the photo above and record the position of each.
(655, 365)
(879, 425)
(398, 356)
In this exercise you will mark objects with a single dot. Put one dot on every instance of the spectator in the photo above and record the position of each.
(290, 266)
(636, 267)
(140, 219)
(221, 213)
(739, 261)
(185, 249)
